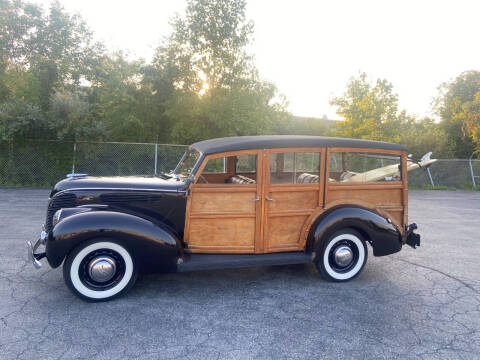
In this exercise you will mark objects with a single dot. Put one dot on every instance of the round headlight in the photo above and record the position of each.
(56, 217)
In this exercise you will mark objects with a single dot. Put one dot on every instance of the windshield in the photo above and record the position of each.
(186, 165)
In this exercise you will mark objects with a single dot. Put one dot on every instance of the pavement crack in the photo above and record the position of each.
(440, 272)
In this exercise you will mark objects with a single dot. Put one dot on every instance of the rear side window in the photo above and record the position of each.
(295, 168)
(350, 167)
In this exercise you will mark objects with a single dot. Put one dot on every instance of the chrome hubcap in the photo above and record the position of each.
(343, 256)
(102, 268)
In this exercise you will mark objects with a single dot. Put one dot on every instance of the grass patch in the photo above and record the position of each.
(438, 187)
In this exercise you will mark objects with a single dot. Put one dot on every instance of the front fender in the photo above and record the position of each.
(379, 231)
(154, 248)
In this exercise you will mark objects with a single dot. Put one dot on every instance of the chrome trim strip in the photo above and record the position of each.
(125, 189)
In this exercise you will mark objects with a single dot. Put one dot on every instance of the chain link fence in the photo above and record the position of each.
(123, 159)
(463, 174)
(43, 163)
(38, 164)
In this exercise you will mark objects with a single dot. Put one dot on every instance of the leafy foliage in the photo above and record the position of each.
(19, 119)
(202, 83)
(371, 112)
(459, 109)
(208, 46)
(56, 82)
(216, 89)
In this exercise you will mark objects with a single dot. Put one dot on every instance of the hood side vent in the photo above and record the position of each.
(116, 198)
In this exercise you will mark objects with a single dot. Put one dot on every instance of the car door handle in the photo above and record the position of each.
(269, 198)
(256, 199)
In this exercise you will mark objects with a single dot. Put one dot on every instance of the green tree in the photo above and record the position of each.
(62, 51)
(123, 101)
(212, 86)
(229, 113)
(202, 82)
(17, 20)
(296, 125)
(422, 136)
(369, 111)
(20, 119)
(208, 46)
(472, 120)
(43, 55)
(459, 109)
(71, 118)
(57, 48)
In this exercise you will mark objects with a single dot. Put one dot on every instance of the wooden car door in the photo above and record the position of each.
(293, 189)
(224, 206)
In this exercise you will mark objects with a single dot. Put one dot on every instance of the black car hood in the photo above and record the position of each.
(119, 182)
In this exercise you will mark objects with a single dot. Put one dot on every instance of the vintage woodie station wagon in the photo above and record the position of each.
(230, 203)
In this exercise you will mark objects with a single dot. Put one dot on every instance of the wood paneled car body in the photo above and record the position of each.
(232, 202)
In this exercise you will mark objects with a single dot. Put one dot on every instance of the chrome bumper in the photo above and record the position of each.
(31, 248)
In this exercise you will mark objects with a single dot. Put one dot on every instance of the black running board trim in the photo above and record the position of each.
(230, 261)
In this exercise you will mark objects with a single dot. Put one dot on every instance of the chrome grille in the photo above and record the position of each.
(61, 200)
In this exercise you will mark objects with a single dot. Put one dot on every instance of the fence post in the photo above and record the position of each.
(471, 172)
(74, 154)
(430, 176)
(156, 156)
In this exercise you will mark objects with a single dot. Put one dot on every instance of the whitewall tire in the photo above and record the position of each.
(99, 270)
(343, 256)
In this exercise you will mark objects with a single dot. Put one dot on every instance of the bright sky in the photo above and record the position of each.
(310, 48)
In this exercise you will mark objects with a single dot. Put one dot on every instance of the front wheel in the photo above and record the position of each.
(343, 256)
(99, 270)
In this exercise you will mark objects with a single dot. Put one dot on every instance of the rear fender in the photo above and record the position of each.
(154, 248)
(377, 230)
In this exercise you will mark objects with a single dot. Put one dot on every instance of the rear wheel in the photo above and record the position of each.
(343, 256)
(99, 270)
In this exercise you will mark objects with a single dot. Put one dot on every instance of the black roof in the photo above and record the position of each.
(279, 141)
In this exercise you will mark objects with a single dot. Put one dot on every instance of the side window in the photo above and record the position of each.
(238, 170)
(216, 166)
(348, 167)
(295, 168)
(246, 164)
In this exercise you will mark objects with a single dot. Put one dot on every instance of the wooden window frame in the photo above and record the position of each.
(360, 185)
(296, 186)
(209, 157)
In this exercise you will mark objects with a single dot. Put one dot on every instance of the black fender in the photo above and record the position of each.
(377, 230)
(153, 247)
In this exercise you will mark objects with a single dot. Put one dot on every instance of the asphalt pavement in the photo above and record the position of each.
(416, 304)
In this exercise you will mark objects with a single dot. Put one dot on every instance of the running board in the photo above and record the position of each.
(232, 261)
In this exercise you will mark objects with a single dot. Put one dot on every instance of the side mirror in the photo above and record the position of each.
(190, 179)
